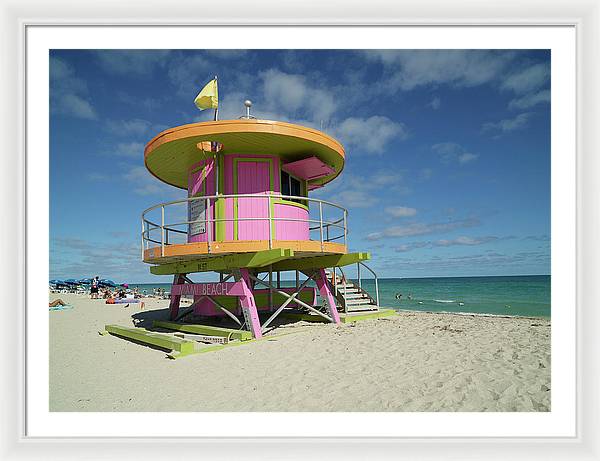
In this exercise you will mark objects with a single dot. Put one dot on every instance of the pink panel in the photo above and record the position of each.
(308, 168)
(291, 230)
(205, 307)
(253, 178)
(228, 165)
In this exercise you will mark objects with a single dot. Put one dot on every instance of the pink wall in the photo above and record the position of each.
(291, 230)
(252, 177)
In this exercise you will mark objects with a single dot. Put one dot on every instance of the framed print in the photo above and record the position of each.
(338, 236)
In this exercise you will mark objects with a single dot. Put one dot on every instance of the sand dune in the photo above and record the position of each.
(410, 362)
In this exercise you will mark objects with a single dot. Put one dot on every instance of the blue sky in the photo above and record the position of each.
(447, 151)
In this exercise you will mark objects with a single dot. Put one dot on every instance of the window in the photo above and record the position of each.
(285, 183)
(291, 186)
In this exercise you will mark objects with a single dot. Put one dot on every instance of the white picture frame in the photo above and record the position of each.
(583, 15)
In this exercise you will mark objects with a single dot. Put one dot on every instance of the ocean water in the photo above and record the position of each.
(513, 295)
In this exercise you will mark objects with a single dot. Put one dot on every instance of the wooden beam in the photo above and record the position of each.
(320, 262)
(242, 335)
(155, 339)
(225, 262)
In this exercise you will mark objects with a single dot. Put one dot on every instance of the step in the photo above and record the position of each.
(348, 290)
(347, 284)
(355, 295)
(361, 307)
(161, 340)
(355, 302)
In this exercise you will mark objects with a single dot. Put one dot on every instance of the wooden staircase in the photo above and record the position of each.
(351, 297)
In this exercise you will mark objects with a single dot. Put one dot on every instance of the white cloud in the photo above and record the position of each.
(227, 54)
(413, 229)
(297, 95)
(143, 183)
(130, 149)
(369, 135)
(132, 62)
(467, 157)
(458, 241)
(68, 94)
(506, 125)
(453, 152)
(528, 79)
(400, 211)
(97, 177)
(76, 106)
(425, 174)
(435, 103)
(414, 68)
(349, 198)
(352, 191)
(189, 74)
(465, 241)
(126, 128)
(530, 100)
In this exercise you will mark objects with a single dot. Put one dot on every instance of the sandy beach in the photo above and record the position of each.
(409, 362)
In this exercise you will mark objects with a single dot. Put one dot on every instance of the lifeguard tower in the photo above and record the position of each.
(248, 217)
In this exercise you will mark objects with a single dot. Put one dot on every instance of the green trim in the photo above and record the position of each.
(348, 318)
(320, 262)
(155, 339)
(235, 189)
(218, 347)
(225, 262)
(220, 203)
(289, 202)
(230, 333)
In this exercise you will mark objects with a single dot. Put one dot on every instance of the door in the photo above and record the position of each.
(253, 177)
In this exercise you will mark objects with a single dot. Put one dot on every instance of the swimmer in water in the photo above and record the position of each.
(410, 296)
(399, 296)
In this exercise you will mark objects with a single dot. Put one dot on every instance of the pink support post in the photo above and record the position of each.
(326, 294)
(249, 306)
(175, 298)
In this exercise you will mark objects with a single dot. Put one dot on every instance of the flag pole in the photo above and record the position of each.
(214, 147)
(216, 108)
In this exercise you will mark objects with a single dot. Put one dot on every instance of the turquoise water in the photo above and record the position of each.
(515, 295)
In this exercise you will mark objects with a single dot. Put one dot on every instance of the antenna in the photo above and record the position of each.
(248, 105)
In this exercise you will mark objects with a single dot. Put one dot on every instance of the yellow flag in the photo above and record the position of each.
(208, 98)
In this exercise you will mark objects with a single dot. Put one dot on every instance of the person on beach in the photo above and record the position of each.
(57, 302)
(94, 288)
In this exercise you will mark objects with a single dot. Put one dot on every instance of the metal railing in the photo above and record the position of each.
(327, 221)
(359, 280)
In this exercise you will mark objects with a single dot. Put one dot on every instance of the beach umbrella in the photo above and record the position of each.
(108, 283)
